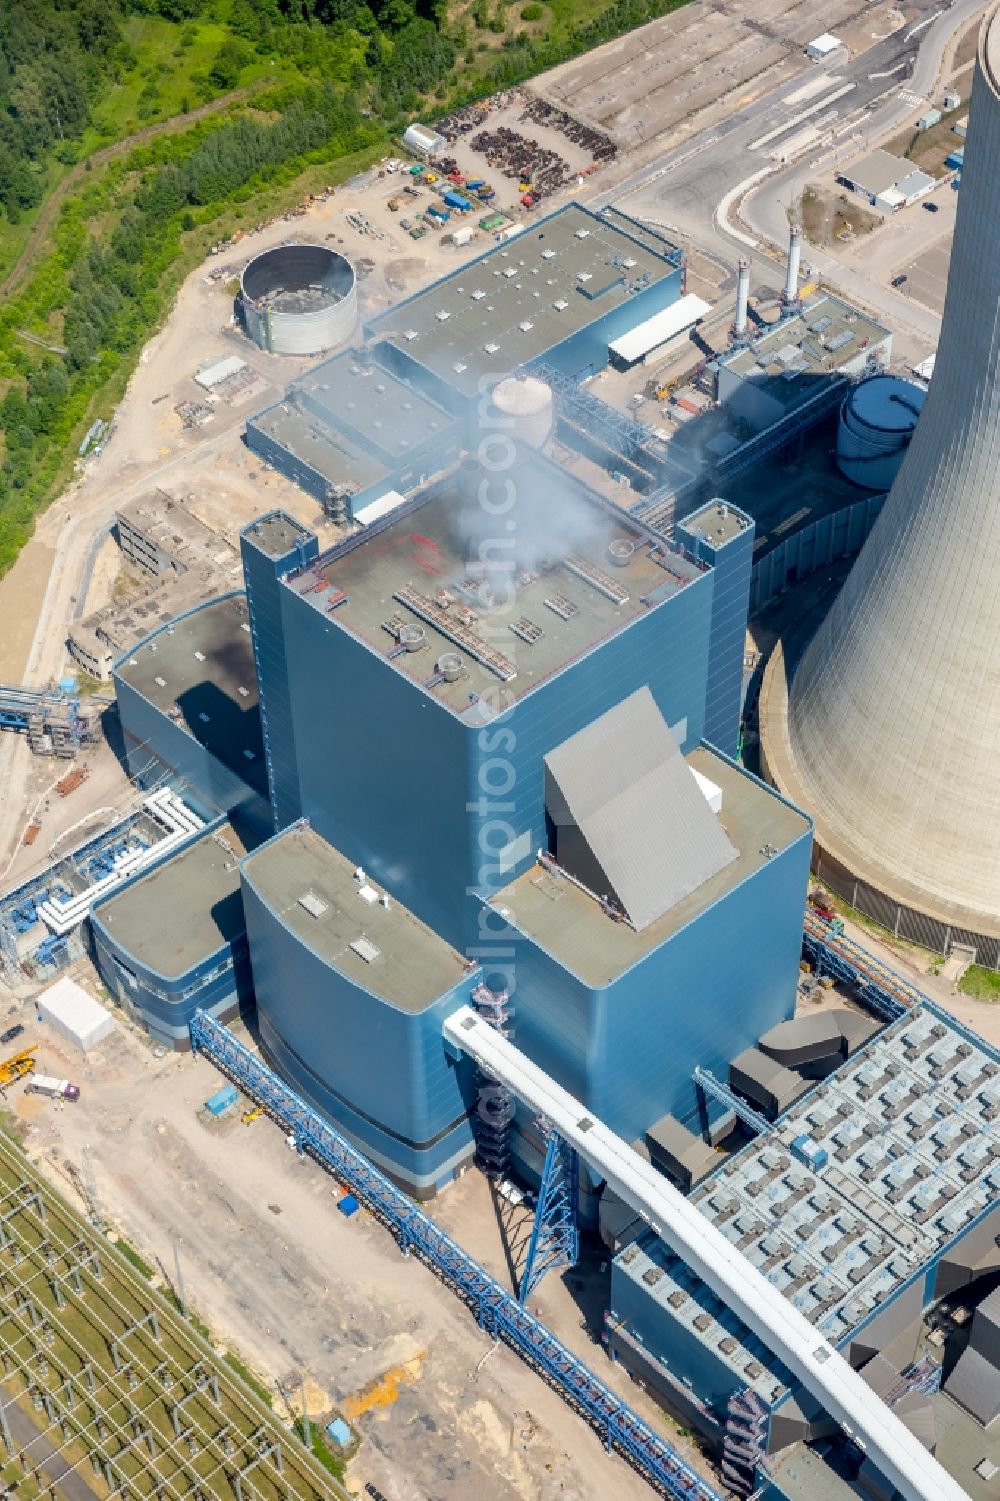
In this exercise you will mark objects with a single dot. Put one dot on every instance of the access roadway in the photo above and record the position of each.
(699, 190)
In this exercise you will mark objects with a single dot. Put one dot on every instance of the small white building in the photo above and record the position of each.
(825, 47)
(961, 126)
(74, 1013)
(423, 141)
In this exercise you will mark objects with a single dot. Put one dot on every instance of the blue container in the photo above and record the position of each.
(339, 1432)
(67, 684)
(222, 1100)
(348, 1205)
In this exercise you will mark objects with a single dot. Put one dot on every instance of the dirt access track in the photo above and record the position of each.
(702, 63)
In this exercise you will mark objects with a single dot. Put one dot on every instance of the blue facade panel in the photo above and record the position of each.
(628, 1050)
(441, 809)
(687, 1357)
(162, 753)
(220, 985)
(379, 1072)
(732, 563)
(262, 571)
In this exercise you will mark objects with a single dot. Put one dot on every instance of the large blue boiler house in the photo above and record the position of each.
(497, 727)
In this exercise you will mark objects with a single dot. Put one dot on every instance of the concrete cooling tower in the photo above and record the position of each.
(890, 732)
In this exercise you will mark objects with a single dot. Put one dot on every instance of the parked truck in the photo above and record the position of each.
(52, 1088)
(458, 201)
(436, 212)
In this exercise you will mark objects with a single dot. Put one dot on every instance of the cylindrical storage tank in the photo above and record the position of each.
(298, 299)
(876, 424)
(528, 402)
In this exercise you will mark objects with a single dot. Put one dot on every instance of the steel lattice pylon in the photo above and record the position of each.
(555, 1235)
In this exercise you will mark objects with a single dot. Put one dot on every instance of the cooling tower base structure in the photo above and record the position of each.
(298, 299)
(901, 906)
(891, 734)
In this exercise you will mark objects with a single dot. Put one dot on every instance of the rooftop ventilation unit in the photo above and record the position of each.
(459, 369)
(548, 255)
(313, 904)
(584, 276)
(629, 262)
(411, 333)
(509, 272)
(525, 327)
(442, 315)
(492, 348)
(478, 295)
(582, 234)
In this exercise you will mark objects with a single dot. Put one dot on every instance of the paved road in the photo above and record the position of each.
(36, 1451)
(691, 188)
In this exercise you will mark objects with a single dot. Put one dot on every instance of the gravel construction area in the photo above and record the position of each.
(300, 1291)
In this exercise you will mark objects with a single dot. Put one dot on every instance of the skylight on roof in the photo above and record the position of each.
(313, 904)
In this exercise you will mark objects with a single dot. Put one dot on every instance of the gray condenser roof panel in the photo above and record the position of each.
(633, 797)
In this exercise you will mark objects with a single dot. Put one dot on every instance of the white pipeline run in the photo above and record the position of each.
(61, 915)
(862, 1415)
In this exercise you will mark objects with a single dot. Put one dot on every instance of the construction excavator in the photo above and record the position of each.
(16, 1067)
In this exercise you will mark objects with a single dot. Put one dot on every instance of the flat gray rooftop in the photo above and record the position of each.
(717, 522)
(412, 966)
(573, 927)
(828, 334)
(199, 670)
(326, 449)
(277, 533)
(911, 1126)
(351, 393)
(183, 912)
(522, 298)
(561, 531)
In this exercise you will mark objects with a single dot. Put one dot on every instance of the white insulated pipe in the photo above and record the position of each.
(841, 1391)
(794, 257)
(742, 297)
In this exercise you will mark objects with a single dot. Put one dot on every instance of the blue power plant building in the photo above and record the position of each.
(484, 750)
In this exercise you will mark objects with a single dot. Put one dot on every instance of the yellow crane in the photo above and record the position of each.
(249, 1116)
(17, 1066)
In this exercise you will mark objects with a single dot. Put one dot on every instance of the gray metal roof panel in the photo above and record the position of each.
(639, 808)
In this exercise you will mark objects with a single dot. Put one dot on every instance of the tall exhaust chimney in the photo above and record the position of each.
(791, 292)
(742, 298)
(892, 732)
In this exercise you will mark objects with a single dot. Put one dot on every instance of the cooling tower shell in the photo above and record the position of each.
(889, 731)
(298, 299)
(528, 402)
(876, 424)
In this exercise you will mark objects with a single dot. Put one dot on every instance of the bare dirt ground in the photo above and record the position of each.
(299, 1290)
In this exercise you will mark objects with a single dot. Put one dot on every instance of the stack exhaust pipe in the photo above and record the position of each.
(790, 296)
(742, 299)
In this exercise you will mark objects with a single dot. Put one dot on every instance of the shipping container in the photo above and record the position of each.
(348, 1205)
(474, 184)
(458, 201)
(441, 214)
(491, 221)
(461, 236)
(222, 1100)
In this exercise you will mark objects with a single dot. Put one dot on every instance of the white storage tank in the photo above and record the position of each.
(298, 299)
(528, 401)
(876, 424)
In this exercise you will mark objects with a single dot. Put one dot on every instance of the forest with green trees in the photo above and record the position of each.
(133, 132)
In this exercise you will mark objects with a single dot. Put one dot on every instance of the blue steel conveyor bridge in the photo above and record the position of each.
(498, 1311)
